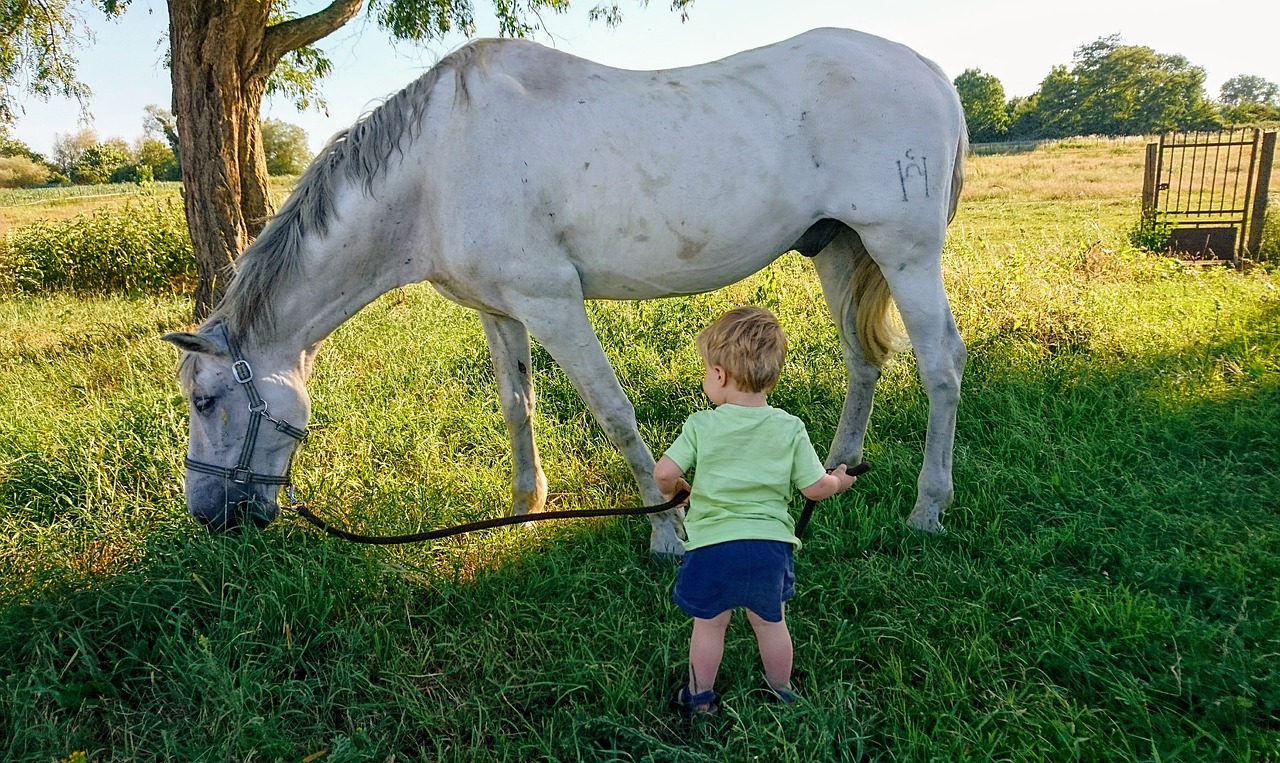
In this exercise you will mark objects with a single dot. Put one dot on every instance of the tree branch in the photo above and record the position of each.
(282, 38)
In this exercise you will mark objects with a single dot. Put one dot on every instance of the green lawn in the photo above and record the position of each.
(1106, 588)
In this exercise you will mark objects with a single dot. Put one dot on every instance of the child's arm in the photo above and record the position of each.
(670, 477)
(834, 481)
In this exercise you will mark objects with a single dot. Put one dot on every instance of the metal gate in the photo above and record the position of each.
(1211, 189)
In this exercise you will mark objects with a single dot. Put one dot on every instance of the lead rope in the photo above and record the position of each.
(300, 508)
(803, 523)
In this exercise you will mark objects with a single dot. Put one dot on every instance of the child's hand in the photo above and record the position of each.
(670, 477)
(686, 487)
(840, 472)
(836, 480)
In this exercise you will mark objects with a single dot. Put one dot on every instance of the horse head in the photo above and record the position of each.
(248, 410)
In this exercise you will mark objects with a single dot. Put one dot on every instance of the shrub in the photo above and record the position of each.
(285, 146)
(21, 171)
(1151, 233)
(97, 164)
(158, 157)
(127, 173)
(141, 247)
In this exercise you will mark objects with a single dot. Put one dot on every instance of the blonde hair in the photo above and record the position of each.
(748, 343)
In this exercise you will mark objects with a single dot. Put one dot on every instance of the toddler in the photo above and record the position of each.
(741, 538)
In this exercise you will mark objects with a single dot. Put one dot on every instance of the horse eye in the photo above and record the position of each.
(203, 403)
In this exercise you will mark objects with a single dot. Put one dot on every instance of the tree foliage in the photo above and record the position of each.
(10, 146)
(1249, 88)
(1250, 113)
(1116, 89)
(155, 160)
(38, 41)
(1249, 99)
(286, 147)
(985, 109)
(69, 147)
(99, 163)
(159, 123)
(299, 72)
(1109, 89)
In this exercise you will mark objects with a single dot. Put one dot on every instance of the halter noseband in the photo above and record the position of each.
(241, 474)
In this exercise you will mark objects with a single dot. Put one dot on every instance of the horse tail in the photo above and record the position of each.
(957, 170)
(962, 144)
(873, 304)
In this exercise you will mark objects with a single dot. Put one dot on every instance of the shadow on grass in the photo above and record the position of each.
(1098, 590)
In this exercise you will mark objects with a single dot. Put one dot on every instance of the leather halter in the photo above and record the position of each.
(241, 474)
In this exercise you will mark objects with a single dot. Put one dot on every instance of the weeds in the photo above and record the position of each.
(1152, 232)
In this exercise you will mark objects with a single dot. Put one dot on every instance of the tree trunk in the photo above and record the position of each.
(222, 54)
(217, 114)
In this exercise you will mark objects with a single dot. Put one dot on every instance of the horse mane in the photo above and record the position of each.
(359, 154)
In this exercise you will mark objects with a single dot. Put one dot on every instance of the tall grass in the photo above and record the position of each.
(1105, 589)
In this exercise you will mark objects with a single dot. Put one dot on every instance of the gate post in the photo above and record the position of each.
(1258, 216)
(1149, 177)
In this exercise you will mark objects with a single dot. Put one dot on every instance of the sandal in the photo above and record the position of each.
(702, 703)
(779, 696)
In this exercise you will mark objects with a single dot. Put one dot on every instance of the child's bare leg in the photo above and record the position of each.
(774, 640)
(706, 648)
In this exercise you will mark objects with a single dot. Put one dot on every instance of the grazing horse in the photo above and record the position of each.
(520, 181)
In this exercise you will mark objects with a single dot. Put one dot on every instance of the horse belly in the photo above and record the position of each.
(677, 241)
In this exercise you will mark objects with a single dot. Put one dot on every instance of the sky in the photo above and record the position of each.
(1017, 41)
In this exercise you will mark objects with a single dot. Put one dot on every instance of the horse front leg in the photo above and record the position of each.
(836, 266)
(563, 328)
(509, 346)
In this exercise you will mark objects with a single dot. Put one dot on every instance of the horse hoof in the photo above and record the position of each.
(666, 544)
(925, 522)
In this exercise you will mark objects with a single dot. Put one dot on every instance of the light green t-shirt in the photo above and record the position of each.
(748, 460)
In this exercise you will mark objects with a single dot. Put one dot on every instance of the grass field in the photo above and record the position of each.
(1106, 588)
(23, 206)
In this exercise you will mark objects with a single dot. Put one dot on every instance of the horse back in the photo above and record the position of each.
(708, 171)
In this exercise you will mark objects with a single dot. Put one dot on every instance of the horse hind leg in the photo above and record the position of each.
(509, 347)
(910, 261)
(842, 265)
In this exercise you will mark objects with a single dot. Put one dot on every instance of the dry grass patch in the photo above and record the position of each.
(1107, 171)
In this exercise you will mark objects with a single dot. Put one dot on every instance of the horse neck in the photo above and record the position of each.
(339, 275)
(322, 265)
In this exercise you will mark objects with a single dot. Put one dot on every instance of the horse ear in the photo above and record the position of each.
(193, 343)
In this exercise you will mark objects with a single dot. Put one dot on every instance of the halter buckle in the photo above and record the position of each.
(242, 371)
(241, 475)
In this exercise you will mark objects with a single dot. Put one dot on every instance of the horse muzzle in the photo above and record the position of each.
(223, 505)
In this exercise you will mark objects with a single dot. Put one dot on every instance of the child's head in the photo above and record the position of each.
(748, 344)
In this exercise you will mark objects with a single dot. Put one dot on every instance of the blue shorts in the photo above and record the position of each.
(758, 575)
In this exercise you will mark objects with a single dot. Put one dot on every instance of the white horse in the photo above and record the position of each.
(520, 181)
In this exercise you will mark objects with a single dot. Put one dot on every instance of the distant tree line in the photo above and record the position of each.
(1113, 89)
(81, 158)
